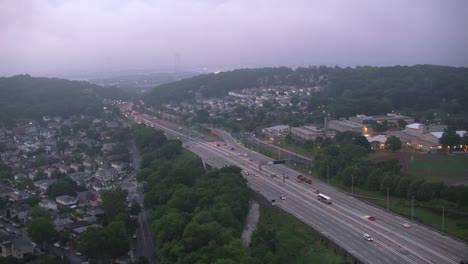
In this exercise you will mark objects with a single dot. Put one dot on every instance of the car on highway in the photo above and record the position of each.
(368, 237)
(406, 225)
(371, 218)
(316, 191)
(282, 197)
(285, 177)
(256, 175)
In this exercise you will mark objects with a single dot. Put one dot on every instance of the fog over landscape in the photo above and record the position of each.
(53, 38)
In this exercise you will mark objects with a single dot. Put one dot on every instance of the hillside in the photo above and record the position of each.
(23, 96)
(347, 91)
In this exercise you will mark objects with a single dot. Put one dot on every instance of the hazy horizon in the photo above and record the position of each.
(53, 38)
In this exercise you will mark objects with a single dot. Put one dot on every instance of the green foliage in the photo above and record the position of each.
(5, 171)
(63, 186)
(38, 212)
(146, 137)
(25, 183)
(393, 143)
(33, 200)
(114, 204)
(110, 241)
(196, 216)
(450, 138)
(414, 90)
(280, 238)
(41, 229)
(23, 96)
(135, 208)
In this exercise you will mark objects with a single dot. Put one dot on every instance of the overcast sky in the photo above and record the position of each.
(46, 37)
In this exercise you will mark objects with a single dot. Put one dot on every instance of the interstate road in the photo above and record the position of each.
(344, 222)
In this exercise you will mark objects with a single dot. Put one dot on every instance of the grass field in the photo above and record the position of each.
(445, 163)
(446, 168)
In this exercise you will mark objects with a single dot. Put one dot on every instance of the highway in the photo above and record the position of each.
(344, 221)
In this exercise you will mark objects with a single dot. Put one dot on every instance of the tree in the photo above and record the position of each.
(40, 161)
(393, 143)
(93, 243)
(403, 187)
(142, 260)
(373, 180)
(114, 204)
(402, 123)
(116, 239)
(38, 212)
(450, 138)
(63, 186)
(41, 230)
(363, 142)
(62, 146)
(135, 208)
(202, 116)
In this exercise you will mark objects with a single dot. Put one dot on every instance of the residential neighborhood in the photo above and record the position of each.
(76, 156)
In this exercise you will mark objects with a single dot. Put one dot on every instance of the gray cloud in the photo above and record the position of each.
(43, 37)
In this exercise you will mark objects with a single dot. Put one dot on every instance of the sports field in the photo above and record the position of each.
(450, 169)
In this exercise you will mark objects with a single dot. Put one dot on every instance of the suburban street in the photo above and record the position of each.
(344, 221)
(142, 245)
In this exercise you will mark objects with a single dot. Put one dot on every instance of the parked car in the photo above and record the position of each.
(56, 244)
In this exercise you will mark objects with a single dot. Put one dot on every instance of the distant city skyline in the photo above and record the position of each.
(58, 38)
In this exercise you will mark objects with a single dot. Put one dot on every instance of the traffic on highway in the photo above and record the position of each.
(338, 216)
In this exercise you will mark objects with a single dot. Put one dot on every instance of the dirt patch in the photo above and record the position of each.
(251, 223)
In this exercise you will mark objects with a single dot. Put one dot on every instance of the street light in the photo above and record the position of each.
(443, 217)
(412, 208)
(352, 184)
(387, 199)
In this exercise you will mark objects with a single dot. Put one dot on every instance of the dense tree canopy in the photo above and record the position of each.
(23, 96)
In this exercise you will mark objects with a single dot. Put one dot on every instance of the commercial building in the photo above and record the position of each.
(347, 125)
(391, 119)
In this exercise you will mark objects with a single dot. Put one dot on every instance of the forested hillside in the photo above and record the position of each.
(347, 91)
(23, 96)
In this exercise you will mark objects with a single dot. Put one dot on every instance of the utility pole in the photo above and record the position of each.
(412, 208)
(328, 174)
(387, 200)
(443, 217)
(352, 184)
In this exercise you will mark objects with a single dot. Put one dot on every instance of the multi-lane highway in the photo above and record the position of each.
(344, 221)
